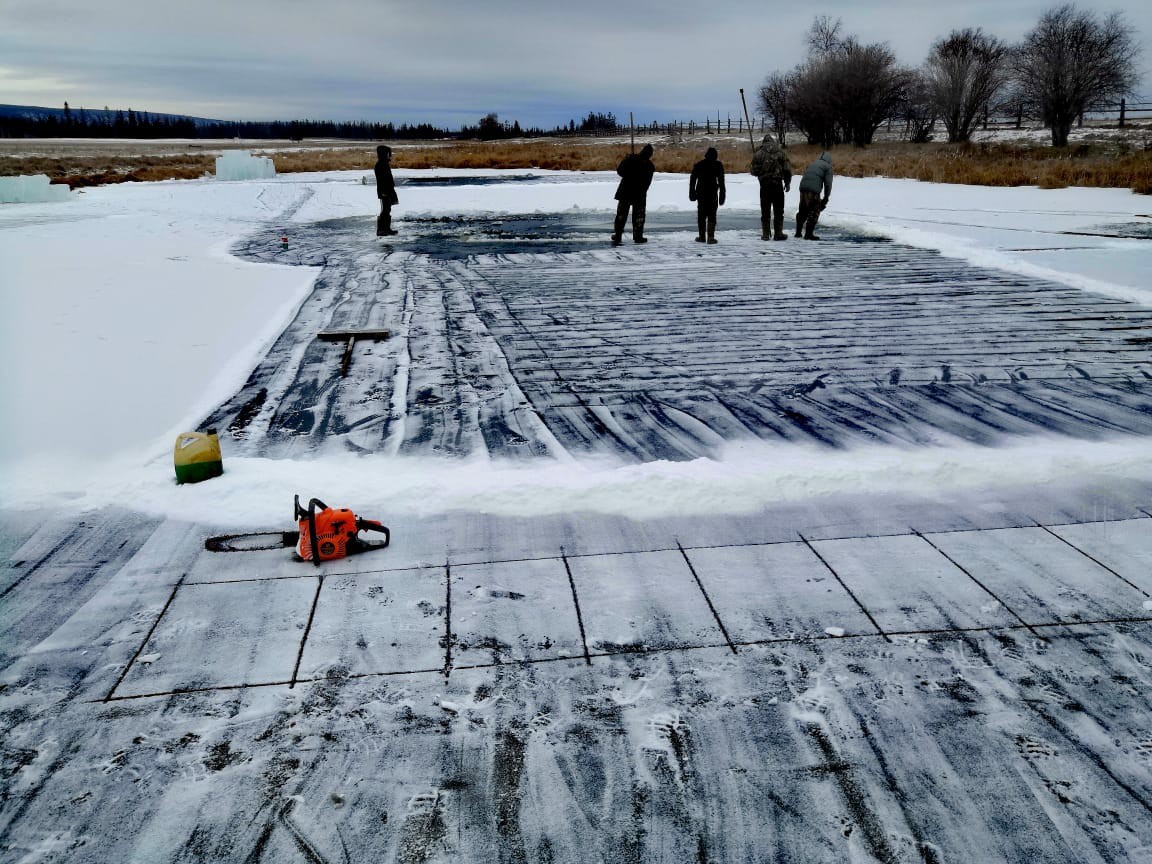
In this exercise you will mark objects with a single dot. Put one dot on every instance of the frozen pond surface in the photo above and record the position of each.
(845, 679)
(516, 336)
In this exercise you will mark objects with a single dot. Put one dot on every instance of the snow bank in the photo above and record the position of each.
(747, 478)
(34, 189)
(145, 325)
(1086, 238)
(242, 165)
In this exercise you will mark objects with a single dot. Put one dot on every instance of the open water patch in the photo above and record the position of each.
(449, 238)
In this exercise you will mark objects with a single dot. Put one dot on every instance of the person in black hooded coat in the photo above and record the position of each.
(635, 172)
(385, 191)
(706, 188)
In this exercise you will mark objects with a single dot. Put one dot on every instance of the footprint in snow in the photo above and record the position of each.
(1034, 748)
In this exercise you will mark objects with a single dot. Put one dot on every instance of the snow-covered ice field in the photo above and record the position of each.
(759, 551)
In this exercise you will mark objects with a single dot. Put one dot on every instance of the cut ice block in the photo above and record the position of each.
(31, 189)
(242, 165)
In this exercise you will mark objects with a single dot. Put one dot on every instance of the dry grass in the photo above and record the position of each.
(99, 170)
(973, 164)
(1105, 165)
(996, 164)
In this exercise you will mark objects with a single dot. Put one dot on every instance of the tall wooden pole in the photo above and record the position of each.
(632, 126)
(751, 140)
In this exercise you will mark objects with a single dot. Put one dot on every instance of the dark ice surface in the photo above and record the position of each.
(532, 332)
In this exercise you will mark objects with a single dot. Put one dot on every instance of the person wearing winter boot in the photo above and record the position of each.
(385, 191)
(771, 167)
(817, 178)
(635, 172)
(706, 188)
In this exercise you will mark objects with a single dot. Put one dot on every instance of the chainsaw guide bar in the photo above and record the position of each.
(254, 542)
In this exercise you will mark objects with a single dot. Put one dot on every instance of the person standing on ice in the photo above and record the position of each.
(706, 188)
(385, 191)
(817, 178)
(635, 172)
(771, 167)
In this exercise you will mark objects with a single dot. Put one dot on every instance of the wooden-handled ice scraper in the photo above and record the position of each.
(349, 337)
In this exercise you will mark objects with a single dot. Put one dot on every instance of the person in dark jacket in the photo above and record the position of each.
(635, 172)
(385, 191)
(706, 188)
(771, 167)
(817, 178)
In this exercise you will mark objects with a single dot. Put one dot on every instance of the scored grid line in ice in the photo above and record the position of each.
(147, 636)
(221, 634)
(513, 611)
(1146, 619)
(848, 590)
(908, 584)
(290, 564)
(707, 598)
(950, 612)
(1040, 576)
(1093, 559)
(645, 600)
(307, 630)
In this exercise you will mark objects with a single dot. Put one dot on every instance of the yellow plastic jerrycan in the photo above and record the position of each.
(197, 456)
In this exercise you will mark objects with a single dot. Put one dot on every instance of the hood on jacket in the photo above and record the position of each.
(826, 157)
(383, 152)
(646, 151)
(710, 154)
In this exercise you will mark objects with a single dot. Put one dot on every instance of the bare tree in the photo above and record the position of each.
(774, 103)
(825, 36)
(965, 71)
(813, 104)
(844, 90)
(871, 88)
(846, 94)
(1073, 62)
(919, 109)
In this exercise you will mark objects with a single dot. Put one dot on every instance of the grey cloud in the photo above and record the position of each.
(445, 62)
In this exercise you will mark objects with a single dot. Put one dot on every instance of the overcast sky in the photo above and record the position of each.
(448, 62)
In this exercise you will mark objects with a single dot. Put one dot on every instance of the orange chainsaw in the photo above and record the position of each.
(325, 534)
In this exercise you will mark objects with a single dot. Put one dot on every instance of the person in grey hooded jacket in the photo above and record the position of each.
(817, 179)
(771, 167)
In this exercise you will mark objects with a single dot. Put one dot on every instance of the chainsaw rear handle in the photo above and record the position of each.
(378, 527)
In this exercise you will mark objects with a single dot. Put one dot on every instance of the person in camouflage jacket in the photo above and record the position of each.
(771, 167)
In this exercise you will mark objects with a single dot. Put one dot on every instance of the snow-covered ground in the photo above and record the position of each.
(761, 551)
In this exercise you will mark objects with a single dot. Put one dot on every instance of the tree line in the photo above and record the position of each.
(140, 124)
(1072, 62)
(81, 123)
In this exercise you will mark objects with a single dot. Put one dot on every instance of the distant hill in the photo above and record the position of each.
(95, 115)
